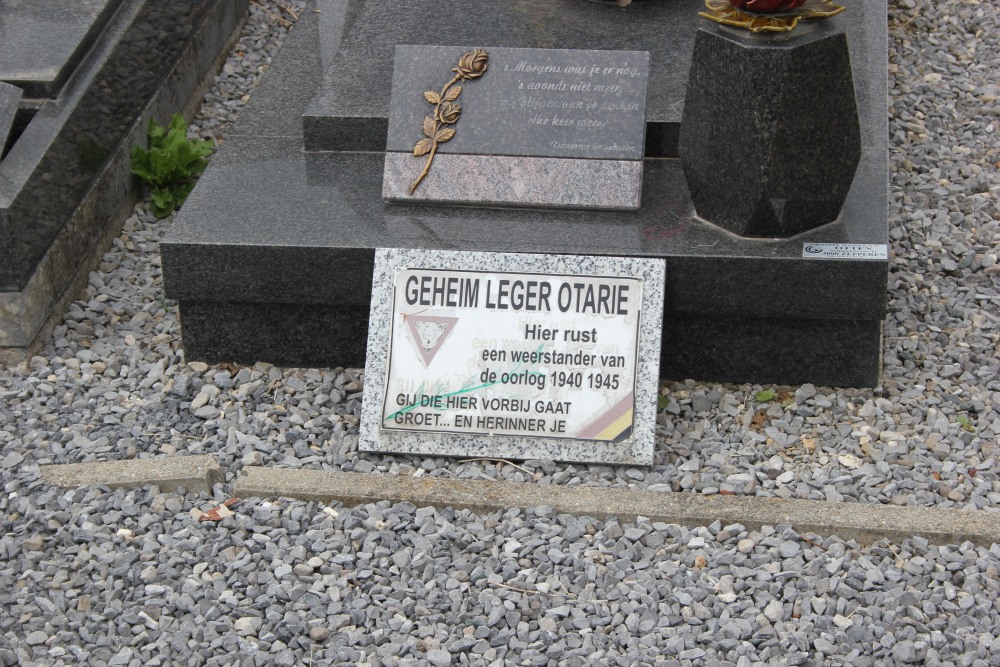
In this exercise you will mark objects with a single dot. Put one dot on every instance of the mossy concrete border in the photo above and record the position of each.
(862, 522)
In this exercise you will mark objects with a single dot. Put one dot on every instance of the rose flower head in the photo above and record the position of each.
(472, 65)
(449, 112)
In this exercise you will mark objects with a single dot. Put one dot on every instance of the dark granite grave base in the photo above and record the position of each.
(713, 349)
(66, 183)
(772, 350)
(271, 257)
(286, 334)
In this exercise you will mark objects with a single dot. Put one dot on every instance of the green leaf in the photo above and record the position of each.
(765, 395)
(182, 190)
(661, 403)
(164, 202)
(155, 131)
(965, 423)
(171, 164)
(178, 123)
(141, 166)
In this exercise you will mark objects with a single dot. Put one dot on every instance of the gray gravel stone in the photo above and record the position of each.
(439, 657)
(33, 543)
(789, 549)
(36, 637)
(247, 625)
(92, 576)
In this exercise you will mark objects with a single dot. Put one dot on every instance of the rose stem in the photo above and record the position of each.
(427, 168)
(437, 118)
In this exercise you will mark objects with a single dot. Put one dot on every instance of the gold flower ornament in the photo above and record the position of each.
(471, 65)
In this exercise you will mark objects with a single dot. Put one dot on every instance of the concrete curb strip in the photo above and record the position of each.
(863, 522)
(194, 473)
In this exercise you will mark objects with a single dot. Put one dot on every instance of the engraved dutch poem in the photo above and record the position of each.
(471, 65)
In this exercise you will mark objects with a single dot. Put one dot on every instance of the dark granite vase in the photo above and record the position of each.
(770, 138)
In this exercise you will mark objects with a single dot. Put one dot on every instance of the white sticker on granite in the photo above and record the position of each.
(845, 250)
(513, 356)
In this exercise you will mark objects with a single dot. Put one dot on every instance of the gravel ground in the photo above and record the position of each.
(131, 578)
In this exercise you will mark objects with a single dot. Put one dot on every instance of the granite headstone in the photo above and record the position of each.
(10, 97)
(92, 73)
(43, 41)
(523, 127)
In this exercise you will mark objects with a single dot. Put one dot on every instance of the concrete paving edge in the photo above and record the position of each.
(194, 473)
(862, 522)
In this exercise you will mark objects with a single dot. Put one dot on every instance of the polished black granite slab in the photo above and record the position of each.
(711, 349)
(41, 41)
(348, 111)
(319, 214)
(275, 241)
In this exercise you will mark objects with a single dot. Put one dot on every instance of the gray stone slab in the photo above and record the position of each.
(41, 41)
(862, 522)
(194, 473)
(507, 119)
(66, 182)
(614, 425)
(503, 180)
(350, 113)
(530, 102)
(10, 97)
(276, 246)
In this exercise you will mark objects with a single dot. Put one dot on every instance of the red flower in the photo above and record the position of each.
(766, 6)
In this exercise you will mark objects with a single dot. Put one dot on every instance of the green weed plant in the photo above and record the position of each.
(765, 395)
(171, 165)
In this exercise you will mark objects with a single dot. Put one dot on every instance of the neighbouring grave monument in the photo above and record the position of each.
(10, 96)
(273, 255)
(78, 82)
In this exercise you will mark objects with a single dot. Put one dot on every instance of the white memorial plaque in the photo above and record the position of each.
(517, 356)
